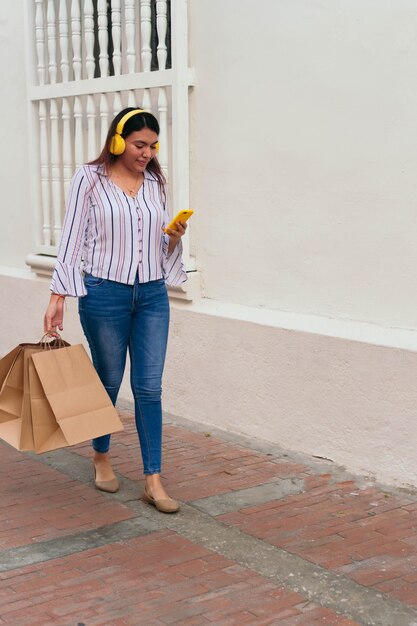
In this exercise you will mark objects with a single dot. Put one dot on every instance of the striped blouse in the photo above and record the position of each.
(111, 235)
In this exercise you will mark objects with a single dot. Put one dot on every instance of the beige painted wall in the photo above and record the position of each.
(344, 399)
(349, 401)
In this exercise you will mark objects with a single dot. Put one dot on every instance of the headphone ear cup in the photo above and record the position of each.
(117, 145)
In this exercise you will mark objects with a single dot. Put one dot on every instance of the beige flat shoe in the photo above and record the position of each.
(165, 505)
(111, 486)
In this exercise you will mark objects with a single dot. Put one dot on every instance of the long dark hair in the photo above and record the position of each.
(136, 122)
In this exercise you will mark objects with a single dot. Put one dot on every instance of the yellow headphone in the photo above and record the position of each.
(117, 143)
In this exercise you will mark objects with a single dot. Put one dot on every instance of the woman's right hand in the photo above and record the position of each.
(54, 315)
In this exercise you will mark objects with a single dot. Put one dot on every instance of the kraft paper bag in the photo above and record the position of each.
(69, 404)
(15, 409)
(11, 398)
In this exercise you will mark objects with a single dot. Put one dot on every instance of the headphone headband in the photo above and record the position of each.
(117, 144)
(125, 118)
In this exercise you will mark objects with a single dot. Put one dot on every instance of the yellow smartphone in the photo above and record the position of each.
(182, 216)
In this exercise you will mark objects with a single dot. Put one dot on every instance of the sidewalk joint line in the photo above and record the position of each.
(31, 554)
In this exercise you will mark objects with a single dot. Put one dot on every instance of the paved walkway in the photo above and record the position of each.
(263, 537)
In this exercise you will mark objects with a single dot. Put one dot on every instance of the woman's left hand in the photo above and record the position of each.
(175, 235)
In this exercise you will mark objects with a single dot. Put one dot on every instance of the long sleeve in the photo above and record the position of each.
(67, 278)
(173, 267)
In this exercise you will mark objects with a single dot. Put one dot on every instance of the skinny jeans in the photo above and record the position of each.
(115, 318)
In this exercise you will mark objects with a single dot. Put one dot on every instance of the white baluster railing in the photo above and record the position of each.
(131, 100)
(163, 130)
(117, 103)
(91, 129)
(40, 41)
(67, 142)
(67, 34)
(103, 37)
(116, 31)
(51, 31)
(44, 163)
(78, 132)
(63, 40)
(161, 28)
(130, 35)
(76, 38)
(146, 33)
(90, 63)
(55, 170)
(146, 50)
(146, 100)
(104, 119)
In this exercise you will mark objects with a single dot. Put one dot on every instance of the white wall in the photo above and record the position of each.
(15, 202)
(304, 155)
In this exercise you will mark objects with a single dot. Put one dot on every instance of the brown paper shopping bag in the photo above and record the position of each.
(11, 397)
(68, 401)
(15, 409)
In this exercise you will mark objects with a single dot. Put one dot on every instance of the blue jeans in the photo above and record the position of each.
(115, 317)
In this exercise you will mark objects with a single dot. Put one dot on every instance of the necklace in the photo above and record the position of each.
(132, 191)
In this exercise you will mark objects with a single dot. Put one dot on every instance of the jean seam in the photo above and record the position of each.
(136, 394)
(137, 398)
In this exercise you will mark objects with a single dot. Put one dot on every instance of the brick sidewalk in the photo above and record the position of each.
(263, 537)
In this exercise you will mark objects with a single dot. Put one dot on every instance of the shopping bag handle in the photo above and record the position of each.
(55, 340)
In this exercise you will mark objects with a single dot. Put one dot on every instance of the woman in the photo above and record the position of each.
(115, 257)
